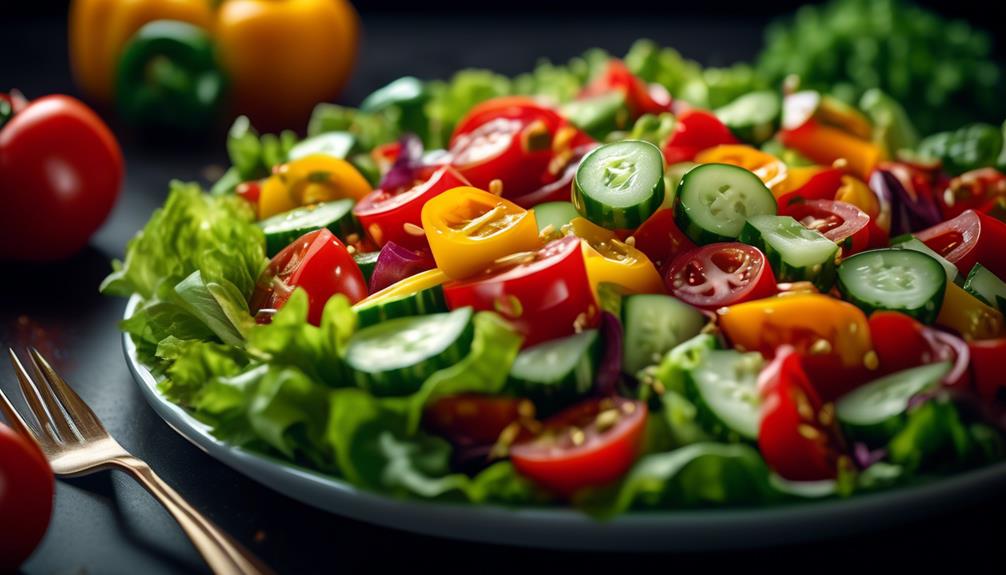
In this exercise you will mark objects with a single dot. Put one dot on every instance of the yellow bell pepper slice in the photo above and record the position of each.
(969, 316)
(611, 260)
(856, 192)
(469, 229)
(310, 180)
(812, 323)
(769, 169)
(408, 286)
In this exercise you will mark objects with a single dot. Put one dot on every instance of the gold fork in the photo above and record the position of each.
(76, 443)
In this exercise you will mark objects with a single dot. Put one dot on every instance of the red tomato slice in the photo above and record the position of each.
(250, 191)
(559, 190)
(640, 98)
(797, 435)
(26, 495)
(986, 368)
(510, 150)
(473, 419)
(821, 186)
(521, 108)
(840, 222)
(660, 238)
(972, 190)
(319, 264)
(970, 238)
(590, 444)
(903, 343)
(718, 275)
(695, 131)
(543, 294)
(384, 213)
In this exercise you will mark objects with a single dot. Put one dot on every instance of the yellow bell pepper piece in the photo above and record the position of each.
(100, 28)
(856, 192)
(826, 145)
(969, 316)
(408, 286)
(611, 260)
(812, 323)
(769, 169)
(469, 229)
(310, 180)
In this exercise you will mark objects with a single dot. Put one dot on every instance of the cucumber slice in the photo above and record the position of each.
(619, 185)
(714, 201)
(795, 252)
(875, 412)
(653, 325)
(896, 280)
(987, 287)
(396, 356)
(910, 242)
(335, 144)
(724, 389)
(282, 229)
(367, 261)
(555, 373)
(420, 294)
(555, 214)
(754, 117)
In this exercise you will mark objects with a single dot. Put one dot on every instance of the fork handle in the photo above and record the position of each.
(223, 554)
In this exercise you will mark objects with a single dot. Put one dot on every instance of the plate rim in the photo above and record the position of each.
(568, 529)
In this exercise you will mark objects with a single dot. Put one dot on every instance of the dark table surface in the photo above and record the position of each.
(107, 524)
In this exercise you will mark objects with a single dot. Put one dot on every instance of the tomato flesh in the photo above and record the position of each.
(695, 130)
(970, 238)
(660, 238)
(543, 294)
(318, 263)
(26, 496)
(720, 275)
(589, 444)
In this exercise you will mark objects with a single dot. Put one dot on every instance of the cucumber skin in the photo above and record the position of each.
(924, 315)
(823, 278)
(552, 396)
(629, 366)
(424, 302)
(970, 288)
(686, 223)
(408, 380)
(707, 418)
(618, 218)
(366, 262)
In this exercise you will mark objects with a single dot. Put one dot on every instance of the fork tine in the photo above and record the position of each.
(32, 398)
(83, 418)
(14, 419)
(57, 418)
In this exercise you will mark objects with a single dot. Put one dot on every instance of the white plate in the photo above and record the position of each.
(569, 529)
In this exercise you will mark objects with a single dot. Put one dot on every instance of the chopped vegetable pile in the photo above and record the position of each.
(619, 284)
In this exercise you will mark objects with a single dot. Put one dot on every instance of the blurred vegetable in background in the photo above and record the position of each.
(279, 58)
(941, 71)
(60, 173)
(26, 495)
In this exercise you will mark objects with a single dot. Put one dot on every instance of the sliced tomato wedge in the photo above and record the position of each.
(902, 343)
(986, 367)
(970, 238)
(840, 222)
(515, 152)
(972, 190)
(544, 294)
(640, 97)
(695, 130)
(590, 444)
(718, 275)
(318, 263)
(660, 238)
(798, 436)
(822, 184)
(522, 108)
(385, 213)
(473, 419)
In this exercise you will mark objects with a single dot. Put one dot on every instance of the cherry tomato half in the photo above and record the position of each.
(544, 294)
(972, 190)
(639, 97)
(695, 130)
(970, 238)
(718, 275)
(515, 152)
(384, 213)
(589, 444)
(26, 494)
(986, 368)
(840, 222)
(797, 436)
(902, 343)
(318, 263)
(60, 173)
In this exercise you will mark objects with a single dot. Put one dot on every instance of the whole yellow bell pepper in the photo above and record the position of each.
(310, 180)
(281, 57)
(100, 28)
(469, 229)
(610, 260)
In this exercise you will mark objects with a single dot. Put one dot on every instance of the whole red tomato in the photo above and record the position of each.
(60, 174)
(26, 493)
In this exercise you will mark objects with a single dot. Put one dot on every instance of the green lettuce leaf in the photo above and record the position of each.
(193, 364)
(191, 232)
(936, 437)
(219, 305)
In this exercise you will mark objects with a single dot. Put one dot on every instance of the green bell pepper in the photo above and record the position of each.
(168, 77)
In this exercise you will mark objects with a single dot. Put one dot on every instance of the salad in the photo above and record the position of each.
(593, 294)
